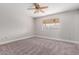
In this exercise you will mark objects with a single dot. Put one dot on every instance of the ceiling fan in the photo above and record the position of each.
(38, 8)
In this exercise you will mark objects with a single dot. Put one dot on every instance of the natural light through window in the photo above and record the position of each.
(51, 23)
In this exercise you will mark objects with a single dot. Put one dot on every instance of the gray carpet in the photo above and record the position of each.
(39, 46)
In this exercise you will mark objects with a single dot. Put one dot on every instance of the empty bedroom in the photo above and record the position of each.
(39, 28)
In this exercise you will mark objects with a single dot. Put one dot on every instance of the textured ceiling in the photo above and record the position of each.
(52, 8)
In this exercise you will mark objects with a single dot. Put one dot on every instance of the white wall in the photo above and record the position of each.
(14, 22)
(69, 20)
(76, 29)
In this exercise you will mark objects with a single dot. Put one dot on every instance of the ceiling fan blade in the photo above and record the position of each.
(31, 8)
(41, 11)
(36, 11)
(44, 7)
(36, 4)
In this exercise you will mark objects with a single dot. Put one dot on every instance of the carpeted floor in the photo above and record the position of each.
(39, 46)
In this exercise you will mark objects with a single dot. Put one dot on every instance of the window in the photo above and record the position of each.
(51, 23)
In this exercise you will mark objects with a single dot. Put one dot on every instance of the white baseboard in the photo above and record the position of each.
(29, 35)
(64, 40)
(14, 38)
